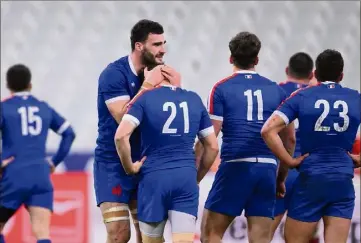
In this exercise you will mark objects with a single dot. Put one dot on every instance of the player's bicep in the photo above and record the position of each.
(117, 108)
(215, 104)
(58, 123)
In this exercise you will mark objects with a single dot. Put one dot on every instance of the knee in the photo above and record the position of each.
(40, 231)
(118, 234)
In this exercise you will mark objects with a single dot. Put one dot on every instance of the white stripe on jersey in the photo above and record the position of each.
(131, 119)
(63, 127)
(206, 132)
(123, 97)
(214, 117)
(283, 116)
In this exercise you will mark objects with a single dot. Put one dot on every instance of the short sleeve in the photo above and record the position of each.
(135, 110)
(205, 125)
(289, 109)
(215, 104)
(58, 123)
(113, 86)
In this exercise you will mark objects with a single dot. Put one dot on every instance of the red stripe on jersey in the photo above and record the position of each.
(283, 83)
(7, 98)
(136, 97)
(296, 92)
(211, 96)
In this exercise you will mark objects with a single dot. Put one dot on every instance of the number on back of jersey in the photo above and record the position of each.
(31, 123)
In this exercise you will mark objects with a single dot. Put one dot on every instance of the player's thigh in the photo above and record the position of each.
(184, 190)
(110, 185)
(116, 219)
(40, 221)
(276, 222)
(308, 200)
(230, 190)
(183, 226)
(153, 197)
(336, 229)
(299, 232)
(214, 225)
(259, 229)
(261, 202)
(152, 232)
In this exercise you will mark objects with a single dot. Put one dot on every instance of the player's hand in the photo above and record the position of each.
(281, 189)
(137, 165)
(51, 164)
(4, 163)
(356, 159)
(172, 75)
(297, 161)
(154, 76)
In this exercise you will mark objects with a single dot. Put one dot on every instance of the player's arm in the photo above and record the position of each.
(63, 128)
(288, 137)
(215, 110)
(278, 121)
(113, 85)
(130, 121)
(208, 139)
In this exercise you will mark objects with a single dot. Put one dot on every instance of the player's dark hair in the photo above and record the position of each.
(142, 29)
(329, 66)
(18, 78)
(244, 48)
(300, 65)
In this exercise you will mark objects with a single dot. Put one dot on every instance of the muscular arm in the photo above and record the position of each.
(288, 138)
(122, 135)
(199, 149)
(270, 133)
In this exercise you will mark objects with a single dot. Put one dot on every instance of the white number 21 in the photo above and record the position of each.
(173, 114)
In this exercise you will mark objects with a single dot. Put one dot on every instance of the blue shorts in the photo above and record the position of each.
(282, 204)
(242, 186)
(169, 189)
(29, 185)
(316, 196)
(111, 184)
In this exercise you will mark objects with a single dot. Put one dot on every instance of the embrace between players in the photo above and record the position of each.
(155, 123)
(148, 167)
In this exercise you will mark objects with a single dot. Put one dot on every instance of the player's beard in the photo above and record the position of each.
(148, 59)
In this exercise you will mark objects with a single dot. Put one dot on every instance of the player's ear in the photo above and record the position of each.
(310, 76)
(286, 70)
(340, 78)
(256, 61)
(138, 46)
(231, 60)
(30, 86)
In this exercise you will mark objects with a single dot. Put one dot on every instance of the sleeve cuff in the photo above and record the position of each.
(206, 132)
(214, 117)
(131, 119)
(122, 97)
(283, 116)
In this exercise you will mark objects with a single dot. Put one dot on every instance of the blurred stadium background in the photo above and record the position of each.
(67, 44)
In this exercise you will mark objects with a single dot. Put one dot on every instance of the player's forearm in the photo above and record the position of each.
(275, 144)
(208, 157)
(123, 148)
(282, 172)
(198, 150)
(67, 140)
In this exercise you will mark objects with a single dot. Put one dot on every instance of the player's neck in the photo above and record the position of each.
(297, 80)
(236, 69)
(136, 62)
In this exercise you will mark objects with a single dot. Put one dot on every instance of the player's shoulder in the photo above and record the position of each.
(117, 69)
(222, 82)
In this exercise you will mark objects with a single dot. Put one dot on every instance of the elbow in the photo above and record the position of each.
(70, 134)
(119, 138)
(265, 132)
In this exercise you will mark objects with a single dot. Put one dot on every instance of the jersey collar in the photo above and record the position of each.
(246, 71)
(131, 65)
(328, 82)
(25, 93)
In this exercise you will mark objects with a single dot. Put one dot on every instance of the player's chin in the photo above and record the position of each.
(159, 61)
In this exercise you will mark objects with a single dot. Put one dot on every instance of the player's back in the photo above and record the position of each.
(247, 99)
(172, 119)
(329, 116)
(25, 123)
